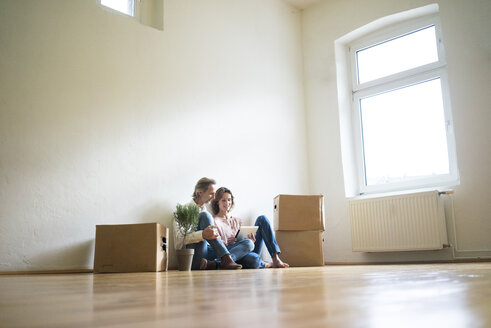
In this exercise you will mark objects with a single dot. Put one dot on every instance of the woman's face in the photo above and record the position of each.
(225, 203)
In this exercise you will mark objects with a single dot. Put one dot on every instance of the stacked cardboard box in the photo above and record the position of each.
(299, 228)
(131, 248)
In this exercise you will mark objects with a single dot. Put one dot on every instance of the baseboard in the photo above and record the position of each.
(472, 260)
(472, 254)
(47, 272)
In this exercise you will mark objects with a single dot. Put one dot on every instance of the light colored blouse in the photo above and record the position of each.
(227, 229)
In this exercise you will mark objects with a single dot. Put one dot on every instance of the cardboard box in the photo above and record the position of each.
(131, 248)
(299, 213)
(301, 248)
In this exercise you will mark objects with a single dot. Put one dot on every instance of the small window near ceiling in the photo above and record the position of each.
(126, 7)
(405, 52)
(403, 131)
(147, 12)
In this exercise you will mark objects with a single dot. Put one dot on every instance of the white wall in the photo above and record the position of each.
(466, 26)
(106, 121)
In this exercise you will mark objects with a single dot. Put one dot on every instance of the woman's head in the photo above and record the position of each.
(224, 200)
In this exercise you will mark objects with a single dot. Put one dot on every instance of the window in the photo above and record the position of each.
(402, 121)
(123, 6)
(148, 12)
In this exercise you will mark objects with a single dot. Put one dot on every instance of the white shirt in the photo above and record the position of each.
(193, 237)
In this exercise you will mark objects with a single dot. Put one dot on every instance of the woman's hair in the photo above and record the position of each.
(201, 186)
(218, 195)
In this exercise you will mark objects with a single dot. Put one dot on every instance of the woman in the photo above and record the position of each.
(246, 251)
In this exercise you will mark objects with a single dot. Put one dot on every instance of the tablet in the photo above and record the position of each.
(246, 231)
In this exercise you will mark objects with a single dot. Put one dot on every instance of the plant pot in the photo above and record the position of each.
(184, 259)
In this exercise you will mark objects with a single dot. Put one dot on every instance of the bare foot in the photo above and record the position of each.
(278, 263)
(268, 265)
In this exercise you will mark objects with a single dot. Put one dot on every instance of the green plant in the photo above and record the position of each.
(186, 217)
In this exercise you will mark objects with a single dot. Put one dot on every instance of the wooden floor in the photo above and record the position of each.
(437, 295)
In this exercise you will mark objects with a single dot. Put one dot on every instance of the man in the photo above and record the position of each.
(205, 240)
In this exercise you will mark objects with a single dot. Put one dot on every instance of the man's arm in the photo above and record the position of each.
(194, 237)
(208, 233)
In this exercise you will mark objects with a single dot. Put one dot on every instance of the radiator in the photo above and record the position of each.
(398, 223)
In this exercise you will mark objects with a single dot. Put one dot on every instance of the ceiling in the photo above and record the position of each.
(301, 4)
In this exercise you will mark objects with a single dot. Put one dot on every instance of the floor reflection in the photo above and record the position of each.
(417, 299)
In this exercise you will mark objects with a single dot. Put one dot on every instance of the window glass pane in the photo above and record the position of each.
(125, 6)
(404, 134)
(397, 55)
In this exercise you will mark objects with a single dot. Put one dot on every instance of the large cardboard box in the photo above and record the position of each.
(299, 212)
(131, 248)
(301, 248)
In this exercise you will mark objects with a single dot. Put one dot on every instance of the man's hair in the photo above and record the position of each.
(218, 195)
(201, 186)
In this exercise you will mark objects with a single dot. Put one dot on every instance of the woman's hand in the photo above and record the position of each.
(210, 232)
(252, 237)
(231, 241)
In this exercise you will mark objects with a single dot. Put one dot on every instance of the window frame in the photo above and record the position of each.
(396, 81)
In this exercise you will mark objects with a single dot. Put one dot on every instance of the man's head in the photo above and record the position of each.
(204, 191)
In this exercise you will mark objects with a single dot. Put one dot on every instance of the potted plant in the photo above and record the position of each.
(186, 217)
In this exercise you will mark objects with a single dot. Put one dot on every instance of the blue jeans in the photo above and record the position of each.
(265, 234)
(237, 251)
(240, 249)
(208, 249)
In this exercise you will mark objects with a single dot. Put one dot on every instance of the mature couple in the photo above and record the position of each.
(214, 242)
